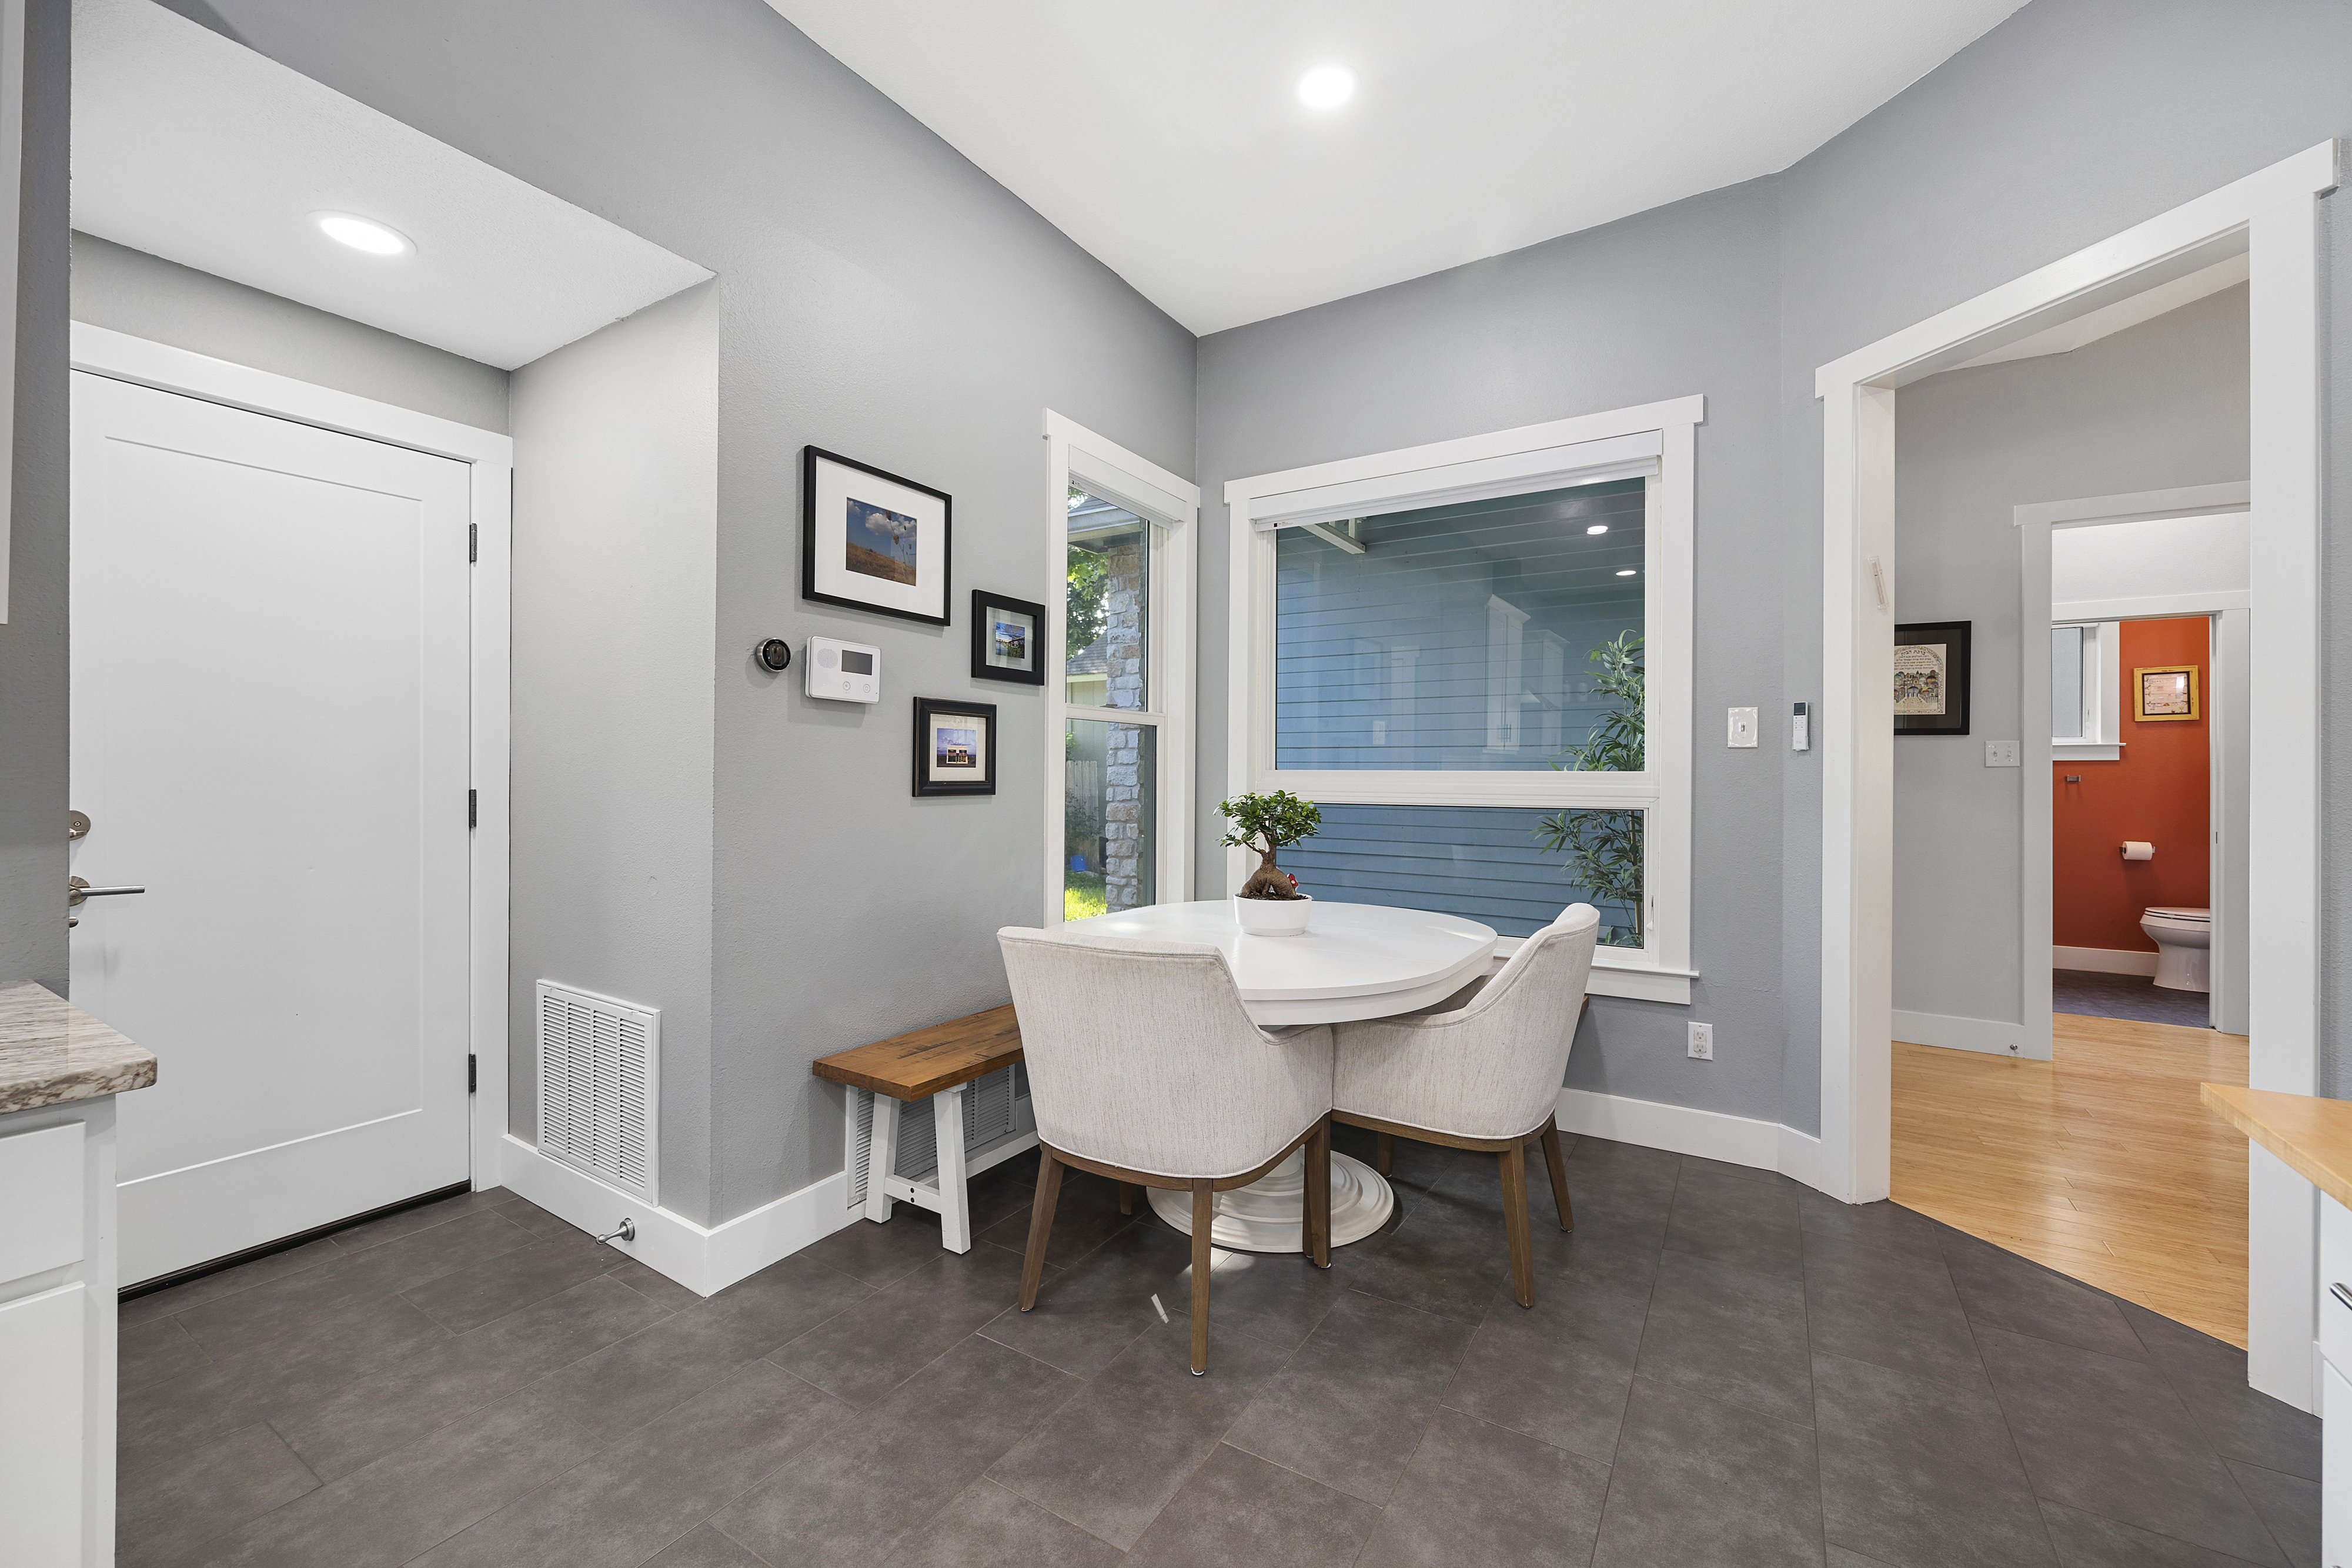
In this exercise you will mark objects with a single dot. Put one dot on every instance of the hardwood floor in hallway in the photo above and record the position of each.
(2100, 1164)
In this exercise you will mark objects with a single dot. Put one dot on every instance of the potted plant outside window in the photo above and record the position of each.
(1269, 903)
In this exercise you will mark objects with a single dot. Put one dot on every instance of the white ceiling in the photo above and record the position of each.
(191, 147)
(1167, 138)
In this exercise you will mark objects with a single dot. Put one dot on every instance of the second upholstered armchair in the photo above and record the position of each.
(1144, 1067)
(1482, 1072)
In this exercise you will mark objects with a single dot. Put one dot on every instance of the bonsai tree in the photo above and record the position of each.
(1266, 823)
(1604, 848)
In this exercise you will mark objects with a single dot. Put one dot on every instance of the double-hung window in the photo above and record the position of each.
(1118, 749)
(2084, 685)
(1475, 658)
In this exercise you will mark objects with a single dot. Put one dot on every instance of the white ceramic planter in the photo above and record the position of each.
(1272, 916)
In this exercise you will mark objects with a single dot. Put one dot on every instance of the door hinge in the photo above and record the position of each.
(473, 542)
(473, 809)
(472, 1082)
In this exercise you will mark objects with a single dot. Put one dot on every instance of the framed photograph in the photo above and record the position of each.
(1007, 637)
(955, 747)
(1931, 677)
(2165, 692)
(871, 540)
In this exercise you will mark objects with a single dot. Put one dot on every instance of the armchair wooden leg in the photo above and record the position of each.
(1204, 1217)
(1318, 1193)
(1127, 1197)
(1514, 1161)
(1559, 1169)
(1041, 1225)
(1384, 1152)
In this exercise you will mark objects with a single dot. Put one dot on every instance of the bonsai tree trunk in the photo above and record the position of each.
(1270, 881)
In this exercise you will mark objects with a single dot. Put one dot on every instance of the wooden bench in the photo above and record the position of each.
(935, 1064)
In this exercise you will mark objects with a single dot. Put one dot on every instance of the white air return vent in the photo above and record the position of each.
(599, 1086)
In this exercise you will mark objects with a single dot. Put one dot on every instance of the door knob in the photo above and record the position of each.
(77, 889)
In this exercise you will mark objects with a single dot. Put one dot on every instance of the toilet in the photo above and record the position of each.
(2184, 940)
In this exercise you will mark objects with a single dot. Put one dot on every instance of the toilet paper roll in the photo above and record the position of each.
(2136, 850)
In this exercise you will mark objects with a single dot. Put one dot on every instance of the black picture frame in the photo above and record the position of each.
(982, 621)
(927, 778)
(1954, 637)
(810, 457)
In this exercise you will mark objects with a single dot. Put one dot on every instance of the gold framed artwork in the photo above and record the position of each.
(2163, 692)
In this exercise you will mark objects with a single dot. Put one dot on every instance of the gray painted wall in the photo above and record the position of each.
(615, 571)
(1669, 303)
(147, 297)
(878, 297)
(33, 640)
(2161, 404)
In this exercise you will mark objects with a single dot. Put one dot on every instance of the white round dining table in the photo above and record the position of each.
(1353, 961)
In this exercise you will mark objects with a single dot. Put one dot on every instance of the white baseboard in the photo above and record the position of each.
(703, 1258)
(1990, 1036)
(2102, 960)
(1710, 1135)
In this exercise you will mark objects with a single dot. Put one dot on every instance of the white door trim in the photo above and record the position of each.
(2034, 524)
(491, 456)
(2272, 214)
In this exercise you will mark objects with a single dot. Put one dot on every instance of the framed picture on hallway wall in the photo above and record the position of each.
(2165, 692)
(872, 541)
(955, 747)
(1005, 633)
(1931, 677)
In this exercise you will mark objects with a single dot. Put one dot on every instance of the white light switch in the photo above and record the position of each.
(1743, 727)
(2002, 754)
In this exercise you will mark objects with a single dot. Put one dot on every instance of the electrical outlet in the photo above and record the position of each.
(2002, 754)
(1702, 1041)
(1743, 727)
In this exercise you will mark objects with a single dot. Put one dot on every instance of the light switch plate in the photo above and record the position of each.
(1702, 1041)
(1743, 727)
(2002, 754)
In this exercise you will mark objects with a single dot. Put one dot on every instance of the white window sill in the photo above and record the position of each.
(2089, 751)
(1616, 973)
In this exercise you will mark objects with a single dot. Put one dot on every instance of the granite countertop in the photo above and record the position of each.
(52, 1051)
(2314, 1136)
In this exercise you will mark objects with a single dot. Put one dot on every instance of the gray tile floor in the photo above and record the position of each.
(1720, 1368)
(2136, 996)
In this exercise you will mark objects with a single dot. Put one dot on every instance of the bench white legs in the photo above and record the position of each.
(945, 1193)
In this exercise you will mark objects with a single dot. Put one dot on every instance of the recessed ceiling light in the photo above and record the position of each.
(1627, 572)
(1327, 87)
(1598, 529)
(362, 234)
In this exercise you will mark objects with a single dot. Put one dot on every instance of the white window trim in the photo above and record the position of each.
(1075, 454)
(1657, 438)
(2102, 736)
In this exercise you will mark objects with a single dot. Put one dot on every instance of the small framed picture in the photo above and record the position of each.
(955, 747)
(1931, 677)
(2165, 692)
(871, 540)
(1007, 639)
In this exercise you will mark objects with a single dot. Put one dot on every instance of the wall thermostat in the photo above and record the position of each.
(1800, 726)
(844, 672)
(775, 656)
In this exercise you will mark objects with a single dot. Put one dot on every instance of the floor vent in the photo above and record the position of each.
(993, 1106)
(599, 1086)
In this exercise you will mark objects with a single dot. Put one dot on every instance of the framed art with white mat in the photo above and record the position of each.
(955, 747)
(872, 541)
(1007, 639)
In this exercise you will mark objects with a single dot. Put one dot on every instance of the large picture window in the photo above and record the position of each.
(1475, 658)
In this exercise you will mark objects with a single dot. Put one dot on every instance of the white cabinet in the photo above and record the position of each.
(2335, 1383)
(57, 1336)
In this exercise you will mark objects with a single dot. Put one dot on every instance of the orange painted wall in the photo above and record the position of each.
(2160, 791)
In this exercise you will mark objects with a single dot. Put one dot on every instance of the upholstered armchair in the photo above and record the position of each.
(1144, 1067)
(1482, 1070)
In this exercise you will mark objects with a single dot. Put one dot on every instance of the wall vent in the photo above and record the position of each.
(599, 1086)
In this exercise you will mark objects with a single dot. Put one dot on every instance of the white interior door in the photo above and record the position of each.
(271, 691)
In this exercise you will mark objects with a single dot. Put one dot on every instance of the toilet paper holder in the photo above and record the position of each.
(2139, 849)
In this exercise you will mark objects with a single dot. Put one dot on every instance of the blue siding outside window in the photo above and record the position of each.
(1482, 862)
(1460, 638)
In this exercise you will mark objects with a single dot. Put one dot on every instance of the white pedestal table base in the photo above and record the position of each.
(1269, 1215)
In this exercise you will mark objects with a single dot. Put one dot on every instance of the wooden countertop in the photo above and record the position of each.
(2314, 1136)
(52, 1051)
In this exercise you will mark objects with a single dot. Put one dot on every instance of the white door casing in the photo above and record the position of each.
(271, 723)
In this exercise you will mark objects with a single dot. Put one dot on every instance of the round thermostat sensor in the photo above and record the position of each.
(775, 653)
